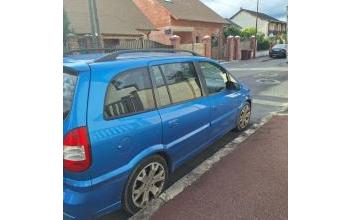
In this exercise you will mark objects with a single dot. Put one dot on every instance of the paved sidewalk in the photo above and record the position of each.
(249, 183)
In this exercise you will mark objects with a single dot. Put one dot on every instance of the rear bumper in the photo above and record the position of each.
(93, 201)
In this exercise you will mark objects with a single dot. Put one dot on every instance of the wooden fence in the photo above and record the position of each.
(140, 44)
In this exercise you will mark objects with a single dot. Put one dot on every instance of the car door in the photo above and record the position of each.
(224, 102)
(183, 109)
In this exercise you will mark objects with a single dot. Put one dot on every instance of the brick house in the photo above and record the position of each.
(189, 19)
(268, 25)
(108, 20)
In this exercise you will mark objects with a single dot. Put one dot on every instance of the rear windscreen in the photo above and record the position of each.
(69, 90)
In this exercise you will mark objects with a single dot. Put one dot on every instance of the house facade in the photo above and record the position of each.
(268, 25)
(191, 20)
(106, 21)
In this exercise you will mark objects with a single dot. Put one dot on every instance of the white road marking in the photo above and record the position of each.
(278, 90)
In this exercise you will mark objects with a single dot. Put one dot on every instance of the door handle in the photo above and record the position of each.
(173, 123)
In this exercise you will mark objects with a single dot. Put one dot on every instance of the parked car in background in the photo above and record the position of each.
(131, 118)
(279, 51)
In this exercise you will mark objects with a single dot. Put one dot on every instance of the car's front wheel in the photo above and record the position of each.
(146, 183)
(244, 117)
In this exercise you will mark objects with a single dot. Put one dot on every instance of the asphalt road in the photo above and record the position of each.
(268, 80)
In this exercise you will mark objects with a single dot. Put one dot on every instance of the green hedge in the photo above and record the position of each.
(263, 44)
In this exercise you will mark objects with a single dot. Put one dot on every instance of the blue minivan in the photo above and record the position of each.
(132, 117)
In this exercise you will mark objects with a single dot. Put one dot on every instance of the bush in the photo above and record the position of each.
(263, 44)
(232, 30)
(247, 33)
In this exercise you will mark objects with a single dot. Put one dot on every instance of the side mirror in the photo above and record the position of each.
(233, 85)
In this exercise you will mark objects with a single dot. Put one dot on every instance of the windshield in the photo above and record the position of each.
(69, 89)
(280, 46)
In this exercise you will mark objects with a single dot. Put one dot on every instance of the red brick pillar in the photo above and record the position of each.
(207, 45)
(230, 47)
(237, 52)
(175, 41)
(253, 46)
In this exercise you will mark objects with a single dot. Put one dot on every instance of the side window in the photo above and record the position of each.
(215, 77)
(129, 92)
(161, 88)
(182, 81)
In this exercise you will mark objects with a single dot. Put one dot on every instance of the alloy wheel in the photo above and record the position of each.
(244, 117)
(148, 184)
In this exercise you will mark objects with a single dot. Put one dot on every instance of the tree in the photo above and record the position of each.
(232, 30)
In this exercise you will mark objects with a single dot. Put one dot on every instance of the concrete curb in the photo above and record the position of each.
(205, 166)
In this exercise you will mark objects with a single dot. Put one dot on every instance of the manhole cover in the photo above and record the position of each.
(268, 81)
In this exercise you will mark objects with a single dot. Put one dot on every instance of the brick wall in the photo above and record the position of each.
(200, 28)
(161, 18)
(160, 37)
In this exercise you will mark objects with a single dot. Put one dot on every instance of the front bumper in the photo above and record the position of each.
(276, 54)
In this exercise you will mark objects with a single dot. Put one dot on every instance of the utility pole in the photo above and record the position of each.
(256, 29)
(94, 22)
(256, 21)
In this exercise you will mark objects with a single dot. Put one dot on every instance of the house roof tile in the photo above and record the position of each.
(115, 17)
(193, 10)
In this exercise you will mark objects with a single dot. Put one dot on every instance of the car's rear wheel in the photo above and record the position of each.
(244, 117)
(146, 183)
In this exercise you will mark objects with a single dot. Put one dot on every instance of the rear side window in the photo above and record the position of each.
(129, 93)
(70, 81)
(182, 81)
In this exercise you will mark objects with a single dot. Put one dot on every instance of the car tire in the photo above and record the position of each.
(243, 117)
(132, 203)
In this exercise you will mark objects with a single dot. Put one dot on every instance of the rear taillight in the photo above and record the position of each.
(77, 156)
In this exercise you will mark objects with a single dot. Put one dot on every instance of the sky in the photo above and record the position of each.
(227, 8)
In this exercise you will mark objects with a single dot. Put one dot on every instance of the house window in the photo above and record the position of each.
(197, 39)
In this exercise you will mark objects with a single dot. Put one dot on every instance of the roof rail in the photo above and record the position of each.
(142, 53)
